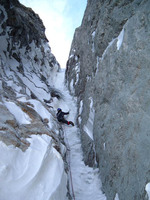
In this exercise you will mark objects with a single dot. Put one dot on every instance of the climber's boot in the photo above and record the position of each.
(71, 123)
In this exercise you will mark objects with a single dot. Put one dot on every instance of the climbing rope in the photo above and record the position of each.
(70, 173)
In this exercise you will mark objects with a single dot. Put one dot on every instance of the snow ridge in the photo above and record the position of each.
(34, 174)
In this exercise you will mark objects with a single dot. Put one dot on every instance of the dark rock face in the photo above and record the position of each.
(108, 71)
(25, 25)
(22, 28)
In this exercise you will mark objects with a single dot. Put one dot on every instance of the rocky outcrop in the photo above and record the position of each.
(25, 25)
(27, 69)
(108, 71)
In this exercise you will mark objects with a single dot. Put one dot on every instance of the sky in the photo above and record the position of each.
(61, 18)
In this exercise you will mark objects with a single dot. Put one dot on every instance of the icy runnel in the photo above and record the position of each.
(85, 180)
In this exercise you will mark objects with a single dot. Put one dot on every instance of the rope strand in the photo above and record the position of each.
(68, 152)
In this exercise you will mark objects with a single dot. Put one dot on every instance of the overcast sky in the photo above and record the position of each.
(61, 18)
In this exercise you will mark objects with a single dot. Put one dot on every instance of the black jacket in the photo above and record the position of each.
(60, 115)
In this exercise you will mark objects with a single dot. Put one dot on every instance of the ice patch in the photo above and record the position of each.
(71, 86)
(120, 39)
(109, 45)
(77, 78)
(119, 43)
(81, 107)
(147, 188)
(71, 56)
(97, 63)
(116, 197)
(93, 37)
(80, 111)
(77, 69)
(88, 128)
(76, 58)
(104, 145)
(88, 131)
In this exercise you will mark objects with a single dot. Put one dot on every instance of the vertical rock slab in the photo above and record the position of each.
(108, 71)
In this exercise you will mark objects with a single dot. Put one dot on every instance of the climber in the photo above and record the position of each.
(60, 117)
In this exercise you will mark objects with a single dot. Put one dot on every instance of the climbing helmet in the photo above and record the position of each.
(58, 109)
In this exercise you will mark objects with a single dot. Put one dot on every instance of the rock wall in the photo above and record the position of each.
(108, 71)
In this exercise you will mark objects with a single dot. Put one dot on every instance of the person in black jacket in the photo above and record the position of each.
(60, 116)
